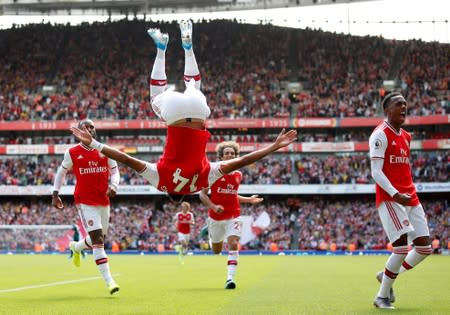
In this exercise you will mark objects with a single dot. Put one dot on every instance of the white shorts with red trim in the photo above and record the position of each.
(172, 106)
(94, 217)
(221, 230)
(183, 237)
(398, 220)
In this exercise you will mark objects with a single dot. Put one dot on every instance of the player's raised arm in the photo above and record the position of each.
(283, 140)
(59, 180)
(254, 199)
(86, 139)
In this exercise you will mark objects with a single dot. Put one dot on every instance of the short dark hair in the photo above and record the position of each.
(387, 99)
(84, 121)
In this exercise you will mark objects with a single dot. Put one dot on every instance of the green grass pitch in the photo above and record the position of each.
(265, 285)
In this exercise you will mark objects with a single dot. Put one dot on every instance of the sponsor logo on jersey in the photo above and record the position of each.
(93, 170)
(229, 190)
(393, 159)
(79, 157)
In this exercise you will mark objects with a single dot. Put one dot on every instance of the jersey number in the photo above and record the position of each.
(182, 181)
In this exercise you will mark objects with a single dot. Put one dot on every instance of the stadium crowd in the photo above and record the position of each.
(432, 166)
(296, 223)
(101, 71)
(355, 168)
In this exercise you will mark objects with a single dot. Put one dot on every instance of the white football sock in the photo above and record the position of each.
(158, 76)
(415, 256)
(391, 270)
(233, 256)
(191, 70)
(102, 262)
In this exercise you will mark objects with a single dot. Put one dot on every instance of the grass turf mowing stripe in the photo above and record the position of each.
(52, 284)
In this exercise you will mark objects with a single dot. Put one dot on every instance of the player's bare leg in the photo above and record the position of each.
(179, 249)
(232, 262)
(191, 70)
(217, 247)
(184, 247)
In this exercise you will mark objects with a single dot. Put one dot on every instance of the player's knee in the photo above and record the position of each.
(422, 241)
(97, 237)
(401, 241)
(217, 249)
(233, 242)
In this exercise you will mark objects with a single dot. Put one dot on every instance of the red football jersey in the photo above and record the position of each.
(225, 192)
(184, 168)
(393, 147)
(91, 170)
(184, 220)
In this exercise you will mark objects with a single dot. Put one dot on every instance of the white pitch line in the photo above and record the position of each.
(52, 284)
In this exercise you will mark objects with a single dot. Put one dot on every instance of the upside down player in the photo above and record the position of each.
(183, 220)
(224, 211)
(183, 168)
(92, 192)
(399, 207)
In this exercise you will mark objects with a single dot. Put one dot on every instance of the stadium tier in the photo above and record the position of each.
(101, 71)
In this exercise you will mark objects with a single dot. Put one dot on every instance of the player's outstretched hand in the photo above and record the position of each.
(57, 202)
(82, 135)
(255, 199)
(111, 192)
(286, 138)
(218, 208)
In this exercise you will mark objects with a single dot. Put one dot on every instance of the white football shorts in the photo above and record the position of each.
(221, 230)
(398, 220)
(183, 237)
(172, 106)
(94, 217)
